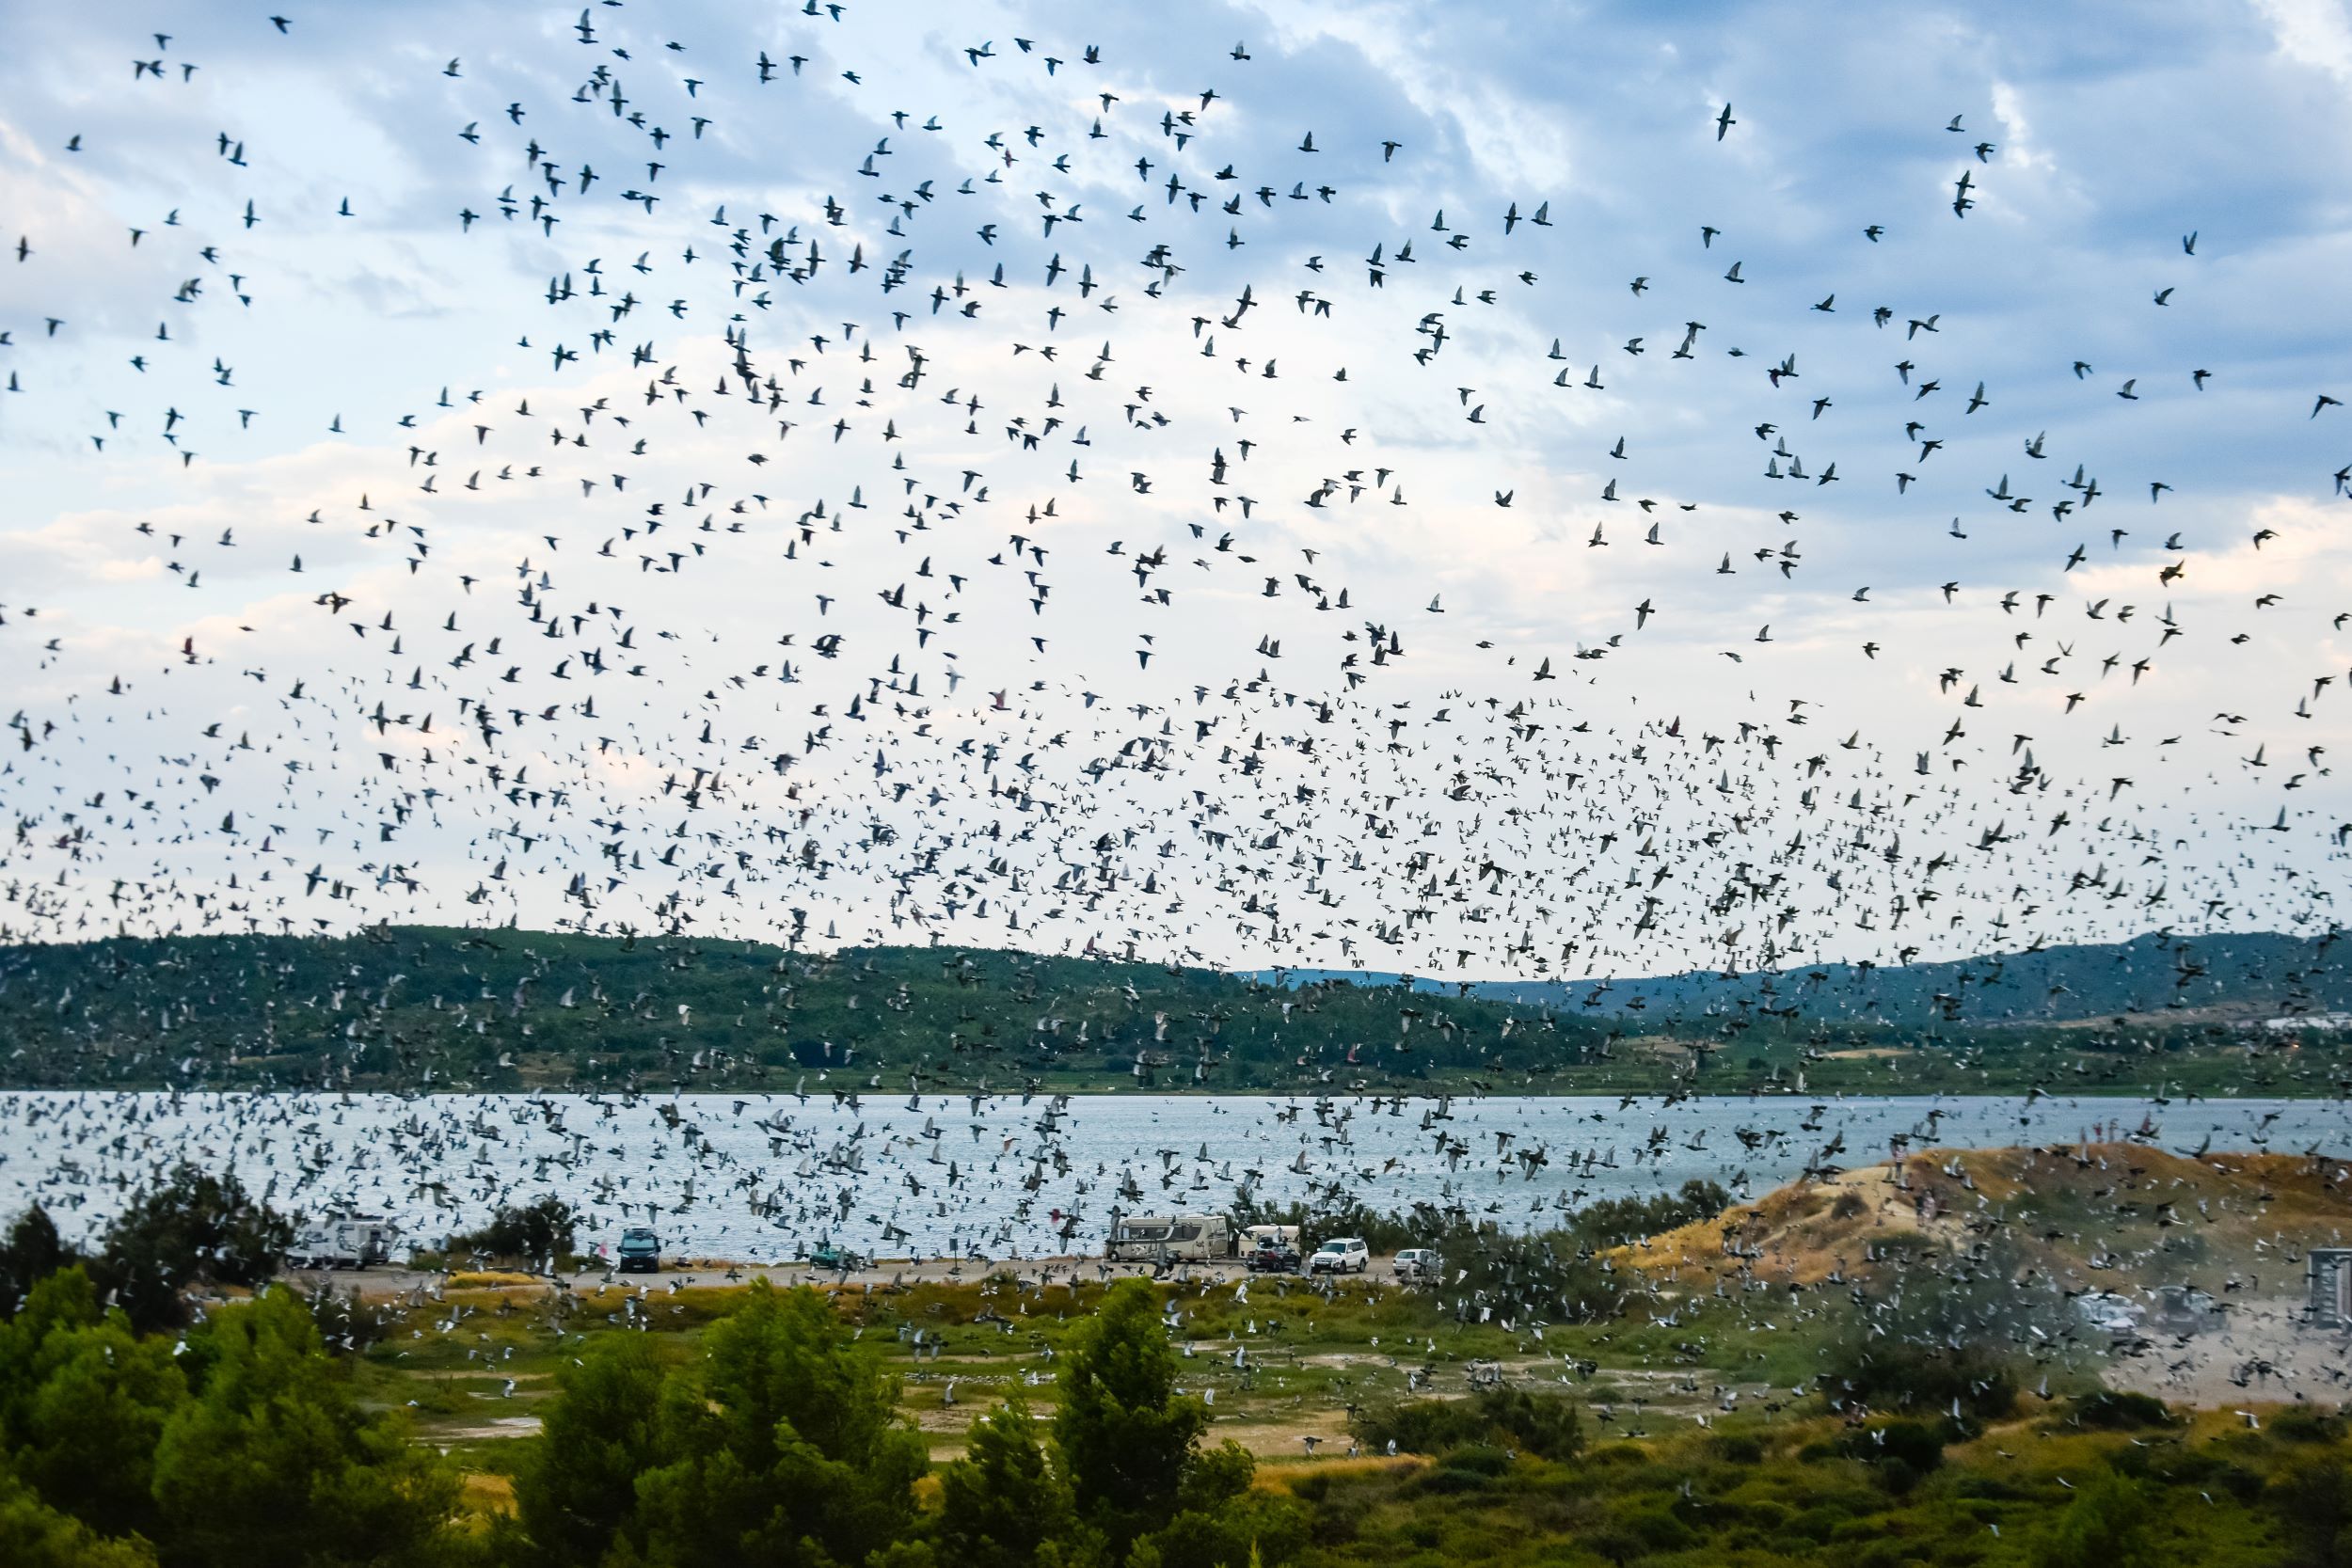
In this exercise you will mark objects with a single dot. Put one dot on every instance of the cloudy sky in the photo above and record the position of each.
(1052, 475)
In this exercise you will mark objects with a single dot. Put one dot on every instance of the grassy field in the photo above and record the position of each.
(1711, 1439)
(1728, 1330)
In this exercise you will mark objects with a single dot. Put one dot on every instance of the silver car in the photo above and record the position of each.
(1420, 1262)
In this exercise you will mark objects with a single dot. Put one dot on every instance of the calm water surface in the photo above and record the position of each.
(762, 1179)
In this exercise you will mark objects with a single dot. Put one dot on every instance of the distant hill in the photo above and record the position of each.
(2255, 971)
(432, 1008)
(411, 1008)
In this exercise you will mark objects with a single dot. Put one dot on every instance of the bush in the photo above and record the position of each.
(2302, 1424)
(1904, 1452)
(1544, 1425)
(1948, 1329)
(539, 1233)
(2117, 1410)
(1737, 1448)
(2312, 1499)
(2105, 1527)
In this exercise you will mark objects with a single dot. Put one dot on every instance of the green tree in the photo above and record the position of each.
(83, 1403)
(537, 1232)
(1004, 1501)
(195, 1228)
(2105, 1527)
(273, 1463)
(578, 1488)
(32, 1252)
(34, 1535)
(787, 1449)
(1125, 1434)
(1221, 1520)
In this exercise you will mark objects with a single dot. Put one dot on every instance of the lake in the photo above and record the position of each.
(760, 1178)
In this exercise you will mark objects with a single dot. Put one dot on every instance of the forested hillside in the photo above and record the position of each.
(423, 1008)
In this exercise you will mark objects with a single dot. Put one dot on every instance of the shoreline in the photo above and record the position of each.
(2172, 1094)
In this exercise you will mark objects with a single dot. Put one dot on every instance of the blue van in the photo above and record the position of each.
(641, 1251)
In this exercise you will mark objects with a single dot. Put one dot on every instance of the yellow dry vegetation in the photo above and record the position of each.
(489, 1279)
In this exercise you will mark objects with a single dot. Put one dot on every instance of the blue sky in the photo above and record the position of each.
(1174, 790)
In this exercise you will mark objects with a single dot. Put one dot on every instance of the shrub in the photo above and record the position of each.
(1544, 1425)
(1902, 1452)
(1737, 1448)
(2105, 1527)
(2302, 1424)
(2312, 1499)
(2115, 1410)
(540, 1232)
(1947, 1329)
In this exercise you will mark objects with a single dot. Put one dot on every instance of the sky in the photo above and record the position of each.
(1412, 487)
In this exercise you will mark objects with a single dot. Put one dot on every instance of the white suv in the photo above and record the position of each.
(1340, 1255)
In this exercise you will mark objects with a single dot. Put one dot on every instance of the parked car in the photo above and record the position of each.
(1419, 1262)
(832, 1259)
(1340, 1255)
(2117, 1317)
(1271, 1257)
(640, 1251)
(2185, 1309)
(1270, 1249)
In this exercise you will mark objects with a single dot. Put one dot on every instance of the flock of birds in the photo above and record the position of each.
(506, 675)
(766, 1178)
(725, 612)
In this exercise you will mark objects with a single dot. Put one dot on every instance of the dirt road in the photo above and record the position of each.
(386, 1281)
(2264, 1355)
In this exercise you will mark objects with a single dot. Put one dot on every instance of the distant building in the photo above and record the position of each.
(2330, 1273)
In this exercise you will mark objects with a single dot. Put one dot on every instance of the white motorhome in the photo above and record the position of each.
(1171, 1238)
(343, 1242)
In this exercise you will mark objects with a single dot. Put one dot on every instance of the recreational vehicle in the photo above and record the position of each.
(346, 1242)
(1171, 1239)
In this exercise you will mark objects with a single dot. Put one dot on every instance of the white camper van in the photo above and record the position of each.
(1170, 1238)
(343, 1242)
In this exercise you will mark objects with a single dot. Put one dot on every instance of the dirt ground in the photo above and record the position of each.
(2264, 1356)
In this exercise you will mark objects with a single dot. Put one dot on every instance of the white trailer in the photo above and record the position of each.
(343, 1242)
(1170, 1238)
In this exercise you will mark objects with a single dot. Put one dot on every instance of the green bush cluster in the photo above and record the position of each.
(1498, 1420)
(240, 1444)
